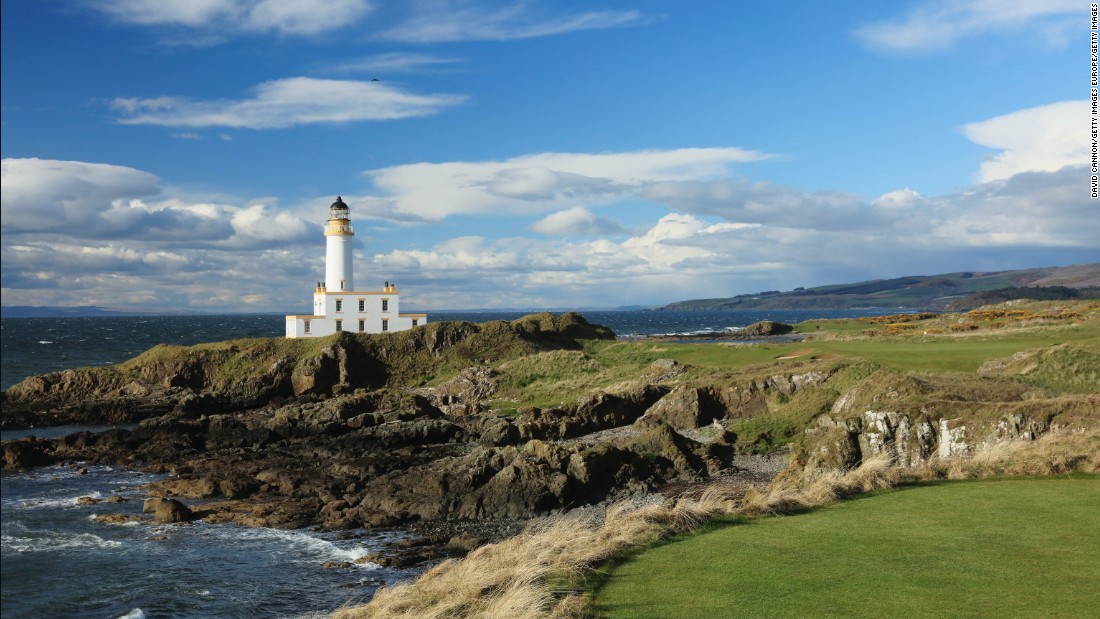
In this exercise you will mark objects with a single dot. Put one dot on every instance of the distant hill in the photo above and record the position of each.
(957, 290)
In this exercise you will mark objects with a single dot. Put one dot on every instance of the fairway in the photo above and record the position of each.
(1003, 548)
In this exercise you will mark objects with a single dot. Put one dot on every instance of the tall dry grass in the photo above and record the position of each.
(540, 573)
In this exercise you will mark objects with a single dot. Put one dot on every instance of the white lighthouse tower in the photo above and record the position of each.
(338, 239)
(337, 306)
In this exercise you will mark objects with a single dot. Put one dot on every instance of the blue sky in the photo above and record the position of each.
(181, 154)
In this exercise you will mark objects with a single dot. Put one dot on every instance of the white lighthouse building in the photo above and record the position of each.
(337, 305)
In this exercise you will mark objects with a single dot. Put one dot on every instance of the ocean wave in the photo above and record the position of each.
(45, 342)
(137, 613)
(306, 545)
(46, 503)
(54, 541)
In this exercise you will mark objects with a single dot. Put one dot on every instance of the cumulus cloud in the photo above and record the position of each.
(1029, 219)
(1039, 139)
(43, 194)
(763, 203)
(536, 184)
(575, 221)
(286, 103)
(289, 17)
(937, 24)
(435, 21)
(77, 233)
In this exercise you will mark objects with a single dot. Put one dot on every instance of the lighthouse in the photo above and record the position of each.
(337, 305)
(339, 236)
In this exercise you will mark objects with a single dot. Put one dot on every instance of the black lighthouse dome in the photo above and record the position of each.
(338, 210)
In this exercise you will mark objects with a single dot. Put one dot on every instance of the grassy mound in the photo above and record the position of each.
(993, 548)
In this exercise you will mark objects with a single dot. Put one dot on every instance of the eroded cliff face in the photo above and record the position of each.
(341, 433)
(914, 419)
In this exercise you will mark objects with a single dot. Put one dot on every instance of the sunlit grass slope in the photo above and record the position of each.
(1008, 548)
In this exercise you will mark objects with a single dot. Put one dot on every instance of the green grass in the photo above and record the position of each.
(1004, 548)
(561, 377)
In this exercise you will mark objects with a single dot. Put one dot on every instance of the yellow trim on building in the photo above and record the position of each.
(355, 292)
(338, 227)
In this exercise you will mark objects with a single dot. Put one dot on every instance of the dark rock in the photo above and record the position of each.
(169, 511)
(765, 328)
(463, 543)
(27, 453)
(683, 408)
(117, 518)
(599, 412)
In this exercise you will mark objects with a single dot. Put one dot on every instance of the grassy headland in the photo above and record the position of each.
(1010, 390)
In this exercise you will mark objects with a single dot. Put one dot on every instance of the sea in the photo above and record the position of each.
(57, 561)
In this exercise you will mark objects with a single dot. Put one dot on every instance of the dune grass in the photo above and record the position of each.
(544, 572)
(1020, 547)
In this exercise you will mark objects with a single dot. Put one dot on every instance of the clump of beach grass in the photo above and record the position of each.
(542, 572)
(538, 573)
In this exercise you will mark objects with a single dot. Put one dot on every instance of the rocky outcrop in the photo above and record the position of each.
(765, 328)
(466, 393)
(913, 419)
(592, 414)
(167, 511)
(247, 374)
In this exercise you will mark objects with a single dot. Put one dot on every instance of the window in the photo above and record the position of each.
(362, 306)
(362, 325)
(339, 305)
(306, 329)
(339, 325)
(385, 305)
(385, 325)
(415, 321)
(341, 284)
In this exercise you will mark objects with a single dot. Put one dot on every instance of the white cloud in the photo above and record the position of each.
(575, 221)
(398, 62)
(764, 203)
(458, 20)
(938, 24)
(290, 17)
(1028, 220)
(1038, 139)
(265, 223)
(535, 184)
(898, 199)
(304, 16)
(43, 194)
(83, 233)
(77, 233)
(286, 103)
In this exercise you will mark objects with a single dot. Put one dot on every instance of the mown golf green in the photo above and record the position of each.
(1003, 548)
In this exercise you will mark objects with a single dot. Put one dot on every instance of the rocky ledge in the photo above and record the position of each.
(340, 433)
(343, 432)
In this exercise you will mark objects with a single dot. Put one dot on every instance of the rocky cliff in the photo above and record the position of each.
(353, 431)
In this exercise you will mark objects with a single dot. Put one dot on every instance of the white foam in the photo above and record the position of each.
(128, 523)
(137, 613)
(53, 541)
(305, 544)
(43, 502)
(44, 342)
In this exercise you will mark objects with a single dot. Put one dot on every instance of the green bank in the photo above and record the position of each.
(1003, 548)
